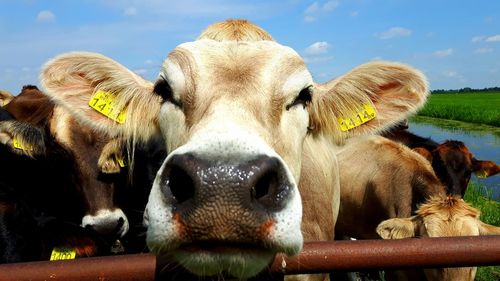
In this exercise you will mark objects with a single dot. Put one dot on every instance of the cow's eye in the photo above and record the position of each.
(163, 89)
(303, 98)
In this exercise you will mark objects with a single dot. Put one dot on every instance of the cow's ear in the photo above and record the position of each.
(488, 229)
(5, 97)
(368, 99)
(22, 138)
(398, 228)
(112, 157)
(484, 169)
(103, 94)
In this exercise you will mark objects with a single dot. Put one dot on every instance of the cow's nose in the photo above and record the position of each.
(258, 184)
(111, 223)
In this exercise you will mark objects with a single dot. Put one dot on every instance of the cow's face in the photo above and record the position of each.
(234, 110)
(454, 164)
(440, 217)
(234, 118)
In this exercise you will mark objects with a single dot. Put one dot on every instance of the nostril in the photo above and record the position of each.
(265, 185)
(181, 184)
(271, 188)
(120, 223)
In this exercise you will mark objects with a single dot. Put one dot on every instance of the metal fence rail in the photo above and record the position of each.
(316, 257)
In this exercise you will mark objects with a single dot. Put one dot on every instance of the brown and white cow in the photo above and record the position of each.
(438, 217)
(380, 179)
(84, 147)
(251, 169)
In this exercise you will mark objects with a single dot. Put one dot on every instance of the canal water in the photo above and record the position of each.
(483, 141)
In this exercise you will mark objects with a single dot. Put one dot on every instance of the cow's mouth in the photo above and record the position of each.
(208, 258)
(219, 247)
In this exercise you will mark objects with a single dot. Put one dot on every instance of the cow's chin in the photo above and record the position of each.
(239, 262)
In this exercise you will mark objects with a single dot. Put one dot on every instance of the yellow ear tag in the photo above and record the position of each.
(59, 254)
(103, 102)
(365, 114)
(17, 144)
(482, 174)
(121, 161)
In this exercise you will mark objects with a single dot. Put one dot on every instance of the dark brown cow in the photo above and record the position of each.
(84, 145)
(38, 206)
(452, 160)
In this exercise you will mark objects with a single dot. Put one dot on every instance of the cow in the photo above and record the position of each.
(133, 170)
(83, 146)
(251, 169)
(387, 180)
(451, 160)
(440, 216)
(37, 207)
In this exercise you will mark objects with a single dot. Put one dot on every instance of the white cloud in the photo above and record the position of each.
(451, 74)
(317, 48)
(483, 50)
(313, 8)
(494, 38)
(444, 53)
(140, 71)
(316, 10)
(130, 11)
(394, 32)
(354, 14)
(45, 16)
(330, 5)
(477, 39)
(318, 59)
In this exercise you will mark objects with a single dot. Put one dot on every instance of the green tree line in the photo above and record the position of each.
(466, 90)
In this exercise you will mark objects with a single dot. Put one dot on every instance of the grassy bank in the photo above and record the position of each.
(480, 108)
(480, 198)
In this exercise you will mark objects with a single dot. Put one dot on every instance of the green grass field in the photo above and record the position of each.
(480, 198)
(482, 108)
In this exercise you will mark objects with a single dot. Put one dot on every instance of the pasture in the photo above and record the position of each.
(481, 108)
(480, 197)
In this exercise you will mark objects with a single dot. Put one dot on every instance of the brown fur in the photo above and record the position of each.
(33, 107)
(440, 216)
(238, 30)
(380, 179)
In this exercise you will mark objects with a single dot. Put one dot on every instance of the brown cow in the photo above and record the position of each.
(84, 145)
(380, 179)
(452, 161)
(251, 169)
(438, 217)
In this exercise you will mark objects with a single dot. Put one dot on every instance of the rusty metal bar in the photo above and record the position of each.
(319, 257)
(139, 267)
(316, 257)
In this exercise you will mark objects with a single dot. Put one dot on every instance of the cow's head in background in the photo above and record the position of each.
(235, 108)
(82, 145)
(440, 217)
(454, 165)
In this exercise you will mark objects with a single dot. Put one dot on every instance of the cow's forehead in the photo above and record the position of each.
(218, 62)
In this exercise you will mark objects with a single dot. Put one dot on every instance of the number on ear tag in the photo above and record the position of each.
(59, 254)
(365, 114)
(104, 103)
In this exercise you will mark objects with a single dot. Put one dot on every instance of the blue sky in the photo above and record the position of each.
(455, 43)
